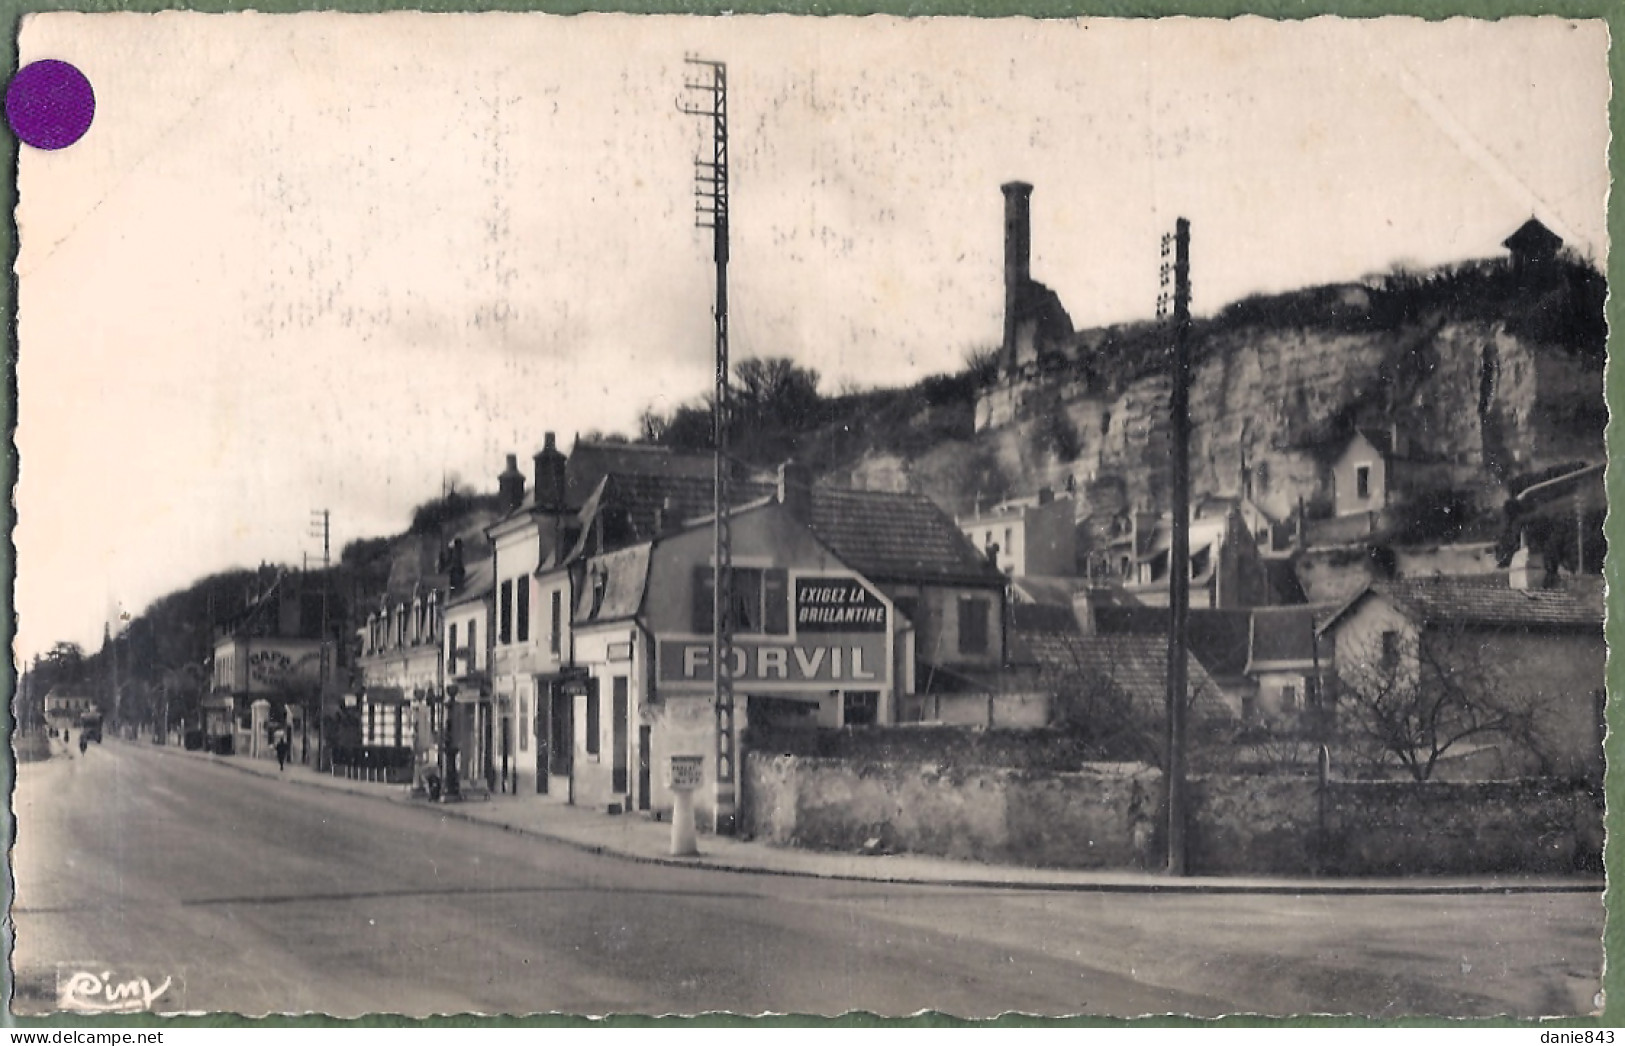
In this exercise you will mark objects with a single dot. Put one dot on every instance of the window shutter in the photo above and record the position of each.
(776, 602)
(704, 584)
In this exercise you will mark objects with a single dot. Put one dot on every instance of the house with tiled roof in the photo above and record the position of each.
(1540, 650)
(847, 606)
(1288, 661)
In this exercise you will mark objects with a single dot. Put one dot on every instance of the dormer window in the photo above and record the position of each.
(600, 585)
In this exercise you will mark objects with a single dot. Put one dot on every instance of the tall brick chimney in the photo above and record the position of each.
(549, 476)
(511, 484)
(1018, 239)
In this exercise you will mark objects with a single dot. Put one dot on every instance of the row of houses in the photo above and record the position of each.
(563, 649)
(557, 647)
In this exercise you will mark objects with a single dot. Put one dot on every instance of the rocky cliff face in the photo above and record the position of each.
(1483, 379)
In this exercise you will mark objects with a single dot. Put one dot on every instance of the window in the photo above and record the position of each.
(760, 604)
(592, 717)
(451, 656)
(473, 645)
(908, 607)
(553, 638)
(860, 708)
(1390, 649)
(522, 593)
(972, 625)
(505, 615)
(1362, 482)
(618, 721)
(1289, 698)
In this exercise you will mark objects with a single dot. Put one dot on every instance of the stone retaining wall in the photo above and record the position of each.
(1112, 816)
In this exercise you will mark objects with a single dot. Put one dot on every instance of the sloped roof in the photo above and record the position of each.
(621, 577)
(477, 582)
(1218, 638)
(1485, 602)
(1381, 439)
(897, 537)
(635, 507)
(1472, 601)
(1285, 638)
(1533, 237)
(590, 462)
(1138, 664)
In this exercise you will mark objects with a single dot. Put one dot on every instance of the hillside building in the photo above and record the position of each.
(1027, 536)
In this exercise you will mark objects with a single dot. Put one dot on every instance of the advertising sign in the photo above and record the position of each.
(837, 604)
(769, 662)
(840, 638)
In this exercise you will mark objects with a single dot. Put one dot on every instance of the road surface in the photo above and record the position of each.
(258, 895)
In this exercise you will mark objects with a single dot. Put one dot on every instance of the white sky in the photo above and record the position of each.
(320, 261)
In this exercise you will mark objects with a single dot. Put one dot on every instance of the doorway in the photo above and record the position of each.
(645, 766)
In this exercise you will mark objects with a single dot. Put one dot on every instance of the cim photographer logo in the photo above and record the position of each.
(96, 990)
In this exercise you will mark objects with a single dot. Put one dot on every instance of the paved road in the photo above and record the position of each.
(263, 896)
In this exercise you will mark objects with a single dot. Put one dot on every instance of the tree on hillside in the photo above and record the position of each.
(776, 390)
(1411, 697)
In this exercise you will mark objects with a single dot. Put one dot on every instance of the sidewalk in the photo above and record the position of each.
(637, 838)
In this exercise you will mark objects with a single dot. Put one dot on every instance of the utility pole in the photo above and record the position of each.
(1179, 577)
(320, 526)
(710, 92)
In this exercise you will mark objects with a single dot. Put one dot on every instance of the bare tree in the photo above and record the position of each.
(1413, 696)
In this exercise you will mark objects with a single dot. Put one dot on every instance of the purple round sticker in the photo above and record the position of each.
(50, 104)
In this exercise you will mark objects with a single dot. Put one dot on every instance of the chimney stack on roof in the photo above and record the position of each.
(795, 490)
(549, 476)
(511, 484)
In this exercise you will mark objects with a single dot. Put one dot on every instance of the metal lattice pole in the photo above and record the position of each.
(711, 212)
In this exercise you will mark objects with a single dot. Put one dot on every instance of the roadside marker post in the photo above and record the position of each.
(684, 776)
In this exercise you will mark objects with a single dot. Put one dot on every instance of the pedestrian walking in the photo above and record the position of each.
(282, 751)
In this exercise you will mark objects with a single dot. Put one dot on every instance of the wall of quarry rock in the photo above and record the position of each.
(1482, 402)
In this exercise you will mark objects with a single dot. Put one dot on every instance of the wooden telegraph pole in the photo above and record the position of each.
(1179, 578)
